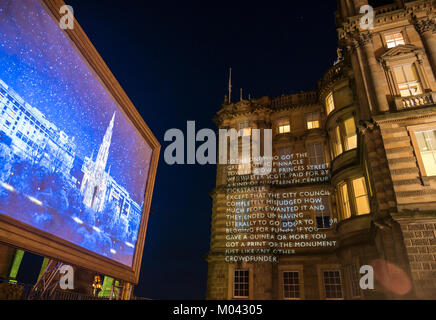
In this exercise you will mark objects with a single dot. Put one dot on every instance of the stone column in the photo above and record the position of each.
(362, 91)
(426, 28)
(373, 69)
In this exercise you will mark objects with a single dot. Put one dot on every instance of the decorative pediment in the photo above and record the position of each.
(402, 52)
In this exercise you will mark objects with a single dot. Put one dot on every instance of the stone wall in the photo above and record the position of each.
(420, 241)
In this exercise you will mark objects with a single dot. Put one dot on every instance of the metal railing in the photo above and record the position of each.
(19, 291)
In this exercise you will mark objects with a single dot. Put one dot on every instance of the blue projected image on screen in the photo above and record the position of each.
(71, 162)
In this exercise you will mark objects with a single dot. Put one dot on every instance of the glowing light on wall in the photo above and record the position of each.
(35, 201)
(8, 187)
(129, 245)
(78, 220)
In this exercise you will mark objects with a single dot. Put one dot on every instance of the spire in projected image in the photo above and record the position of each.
(94, 182)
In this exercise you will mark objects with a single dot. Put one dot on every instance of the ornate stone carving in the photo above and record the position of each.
(425, 25)
(364, 126)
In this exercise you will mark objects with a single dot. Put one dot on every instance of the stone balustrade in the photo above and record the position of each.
(420, 100)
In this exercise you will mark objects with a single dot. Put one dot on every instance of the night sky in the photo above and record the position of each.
(173, 62)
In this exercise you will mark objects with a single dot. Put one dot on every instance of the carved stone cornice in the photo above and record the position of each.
(364, 38)
(401, 52)
(389, 14)
(357, 39)
(424, 25)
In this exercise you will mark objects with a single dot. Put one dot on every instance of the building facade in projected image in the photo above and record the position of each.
(72, 164)
(28, 138)
(353, 181)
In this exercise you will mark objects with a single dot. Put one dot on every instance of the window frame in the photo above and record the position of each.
(330, 103)
(313, 144)
(317, 119)
(352, 199)
(355, 197)
(411, 55)
(418, 82)
(345, 138)
(291, 268)
(282, 123)
(298, 285)
(323, 215)
(387, 34)
(415, 145)
(339, 140)
(341, 203)
(341, 283)
(352, 274)
(234, 283)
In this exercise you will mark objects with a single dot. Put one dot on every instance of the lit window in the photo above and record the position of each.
(330, 103)
(350, 134)
(408, 80)
(291, 285)
(344, 200)
(357, 190)
(316, 154)
(241, 284)
(337, 143)
(394, 39)
(427, 149)
(361, 196)
(344, 137)
(284, 126)
(332, 284)
(312, 120)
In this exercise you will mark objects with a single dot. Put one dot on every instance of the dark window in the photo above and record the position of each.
(323, 222)
(241, 284)
(291, 285)
(322, 216)
(332, 284)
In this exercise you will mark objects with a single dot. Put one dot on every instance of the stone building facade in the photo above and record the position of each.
(370, 128)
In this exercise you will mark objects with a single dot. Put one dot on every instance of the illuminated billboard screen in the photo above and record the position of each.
(72, 164)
